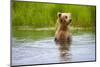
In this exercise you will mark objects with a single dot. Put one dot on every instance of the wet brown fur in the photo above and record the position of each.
(62, 31)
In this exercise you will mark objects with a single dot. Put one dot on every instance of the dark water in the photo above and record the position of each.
(82, 48)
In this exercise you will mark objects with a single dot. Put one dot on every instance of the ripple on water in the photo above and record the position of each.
(44, 51)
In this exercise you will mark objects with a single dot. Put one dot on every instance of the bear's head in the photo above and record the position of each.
(64, 18)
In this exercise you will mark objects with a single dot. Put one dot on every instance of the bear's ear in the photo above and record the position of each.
(59, 14)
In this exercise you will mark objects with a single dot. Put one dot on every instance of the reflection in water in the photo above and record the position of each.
(63, 48)
(24, 52)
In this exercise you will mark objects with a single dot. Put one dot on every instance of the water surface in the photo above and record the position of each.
(45, 50)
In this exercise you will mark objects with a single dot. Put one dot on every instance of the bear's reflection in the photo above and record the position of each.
(63, 48)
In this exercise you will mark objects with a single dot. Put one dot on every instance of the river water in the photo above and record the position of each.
(44, 51)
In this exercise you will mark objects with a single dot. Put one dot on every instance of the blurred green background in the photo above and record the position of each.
(27, 16)
(45, 14)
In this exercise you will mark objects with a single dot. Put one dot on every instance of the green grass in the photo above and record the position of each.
(38, 15)
(28, 16)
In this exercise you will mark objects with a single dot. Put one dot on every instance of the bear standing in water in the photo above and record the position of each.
(62, 30)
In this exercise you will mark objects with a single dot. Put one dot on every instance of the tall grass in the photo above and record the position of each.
(45, 14)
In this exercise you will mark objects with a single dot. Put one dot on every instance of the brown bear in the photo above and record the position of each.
(62, 29)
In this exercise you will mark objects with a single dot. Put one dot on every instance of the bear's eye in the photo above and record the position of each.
(66, 17)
